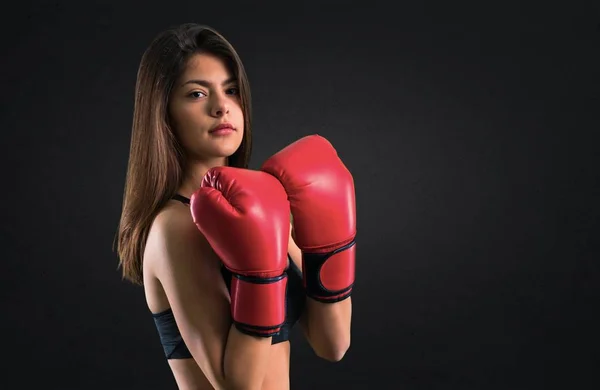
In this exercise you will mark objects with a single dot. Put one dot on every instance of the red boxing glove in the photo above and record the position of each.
(244, 215)
(322, 200)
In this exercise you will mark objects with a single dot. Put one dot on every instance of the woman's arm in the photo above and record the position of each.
(189, 272)
(326, 326)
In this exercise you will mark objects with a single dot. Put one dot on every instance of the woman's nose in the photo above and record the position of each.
(220, 106)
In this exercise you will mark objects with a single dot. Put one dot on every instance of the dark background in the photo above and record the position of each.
(469, 129)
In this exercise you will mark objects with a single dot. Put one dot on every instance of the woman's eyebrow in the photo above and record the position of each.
(208, 84)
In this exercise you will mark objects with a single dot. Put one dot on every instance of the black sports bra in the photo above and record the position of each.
(170, 337)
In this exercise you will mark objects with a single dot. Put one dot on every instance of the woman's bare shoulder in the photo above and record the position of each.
(173, 237)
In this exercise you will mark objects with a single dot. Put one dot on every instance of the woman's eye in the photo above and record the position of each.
(233, 91)
(197, 94)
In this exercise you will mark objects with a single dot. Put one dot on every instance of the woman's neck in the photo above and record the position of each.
(194, 173)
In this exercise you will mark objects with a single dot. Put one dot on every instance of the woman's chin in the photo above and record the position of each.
(221, 147)
(223, 151)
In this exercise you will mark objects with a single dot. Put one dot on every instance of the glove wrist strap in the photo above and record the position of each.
(329, 277)
(258, 304)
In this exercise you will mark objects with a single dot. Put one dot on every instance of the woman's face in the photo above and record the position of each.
(204, 98)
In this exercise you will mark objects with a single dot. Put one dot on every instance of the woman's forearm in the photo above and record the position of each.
(246, 361)
(327, 327)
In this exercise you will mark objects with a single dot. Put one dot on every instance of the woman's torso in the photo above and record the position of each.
(187, 373)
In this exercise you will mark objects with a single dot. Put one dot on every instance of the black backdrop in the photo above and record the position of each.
(469, 130)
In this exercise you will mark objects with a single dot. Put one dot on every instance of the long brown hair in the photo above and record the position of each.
(156, 159)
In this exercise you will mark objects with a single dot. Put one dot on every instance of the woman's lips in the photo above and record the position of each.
(222, 131)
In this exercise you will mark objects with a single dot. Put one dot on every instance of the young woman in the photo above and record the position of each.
(192, 114)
